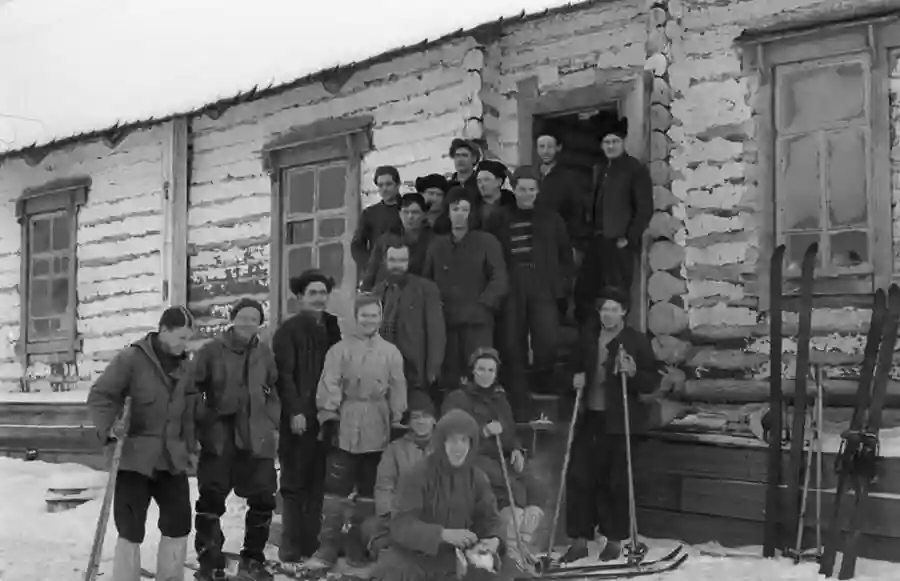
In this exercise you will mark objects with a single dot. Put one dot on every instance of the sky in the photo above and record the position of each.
(71, 66)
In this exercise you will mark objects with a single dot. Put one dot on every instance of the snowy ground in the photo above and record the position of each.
(36, 545)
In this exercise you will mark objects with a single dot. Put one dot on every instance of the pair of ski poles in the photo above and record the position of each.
(815, 448)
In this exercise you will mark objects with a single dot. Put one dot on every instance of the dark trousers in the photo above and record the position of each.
(133, 493)
(531, 312)
(345, 473)
(302, 461)
(604, 265)
(462, 341)
(249, 477)
(597, 482)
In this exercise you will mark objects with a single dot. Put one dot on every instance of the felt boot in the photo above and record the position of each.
(170, 557)
(127, 561)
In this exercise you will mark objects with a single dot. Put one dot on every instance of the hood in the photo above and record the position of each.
(455, 422)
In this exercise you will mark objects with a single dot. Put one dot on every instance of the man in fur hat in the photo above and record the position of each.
(616, 213)
(433, 188)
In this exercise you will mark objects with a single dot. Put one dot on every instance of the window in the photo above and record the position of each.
(823, 164)
(315, 173)
(48, 216)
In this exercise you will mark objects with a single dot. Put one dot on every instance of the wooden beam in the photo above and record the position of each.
(175, 212)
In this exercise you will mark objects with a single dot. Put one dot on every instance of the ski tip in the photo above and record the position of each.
(812, 249)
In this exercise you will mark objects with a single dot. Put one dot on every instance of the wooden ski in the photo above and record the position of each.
(773, 509)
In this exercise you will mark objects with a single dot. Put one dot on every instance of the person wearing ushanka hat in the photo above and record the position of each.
(616, 214)
(238, 429)
(597, 483)
(443, 504)
(433, 188)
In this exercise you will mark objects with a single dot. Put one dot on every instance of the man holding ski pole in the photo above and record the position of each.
(597, 486)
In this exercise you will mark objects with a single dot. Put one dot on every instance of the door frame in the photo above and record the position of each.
(629, 89)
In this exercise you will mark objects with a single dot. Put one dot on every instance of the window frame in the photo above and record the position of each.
(63, 197)
(320, 143)
(762, 53)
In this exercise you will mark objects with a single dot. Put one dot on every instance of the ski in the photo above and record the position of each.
(773, 510)
(671, 555)
(797, 437)
(844, 461)
(866, 442)
(624, 571)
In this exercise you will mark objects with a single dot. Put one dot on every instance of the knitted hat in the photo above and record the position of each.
(484, 353)
(526, 172)
(618, 127)
(613, 294)
(418, 401)
(248, 303)
(176, 318)
(495, 167)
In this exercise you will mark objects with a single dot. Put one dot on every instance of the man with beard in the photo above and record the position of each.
(413, 319)
(597, 483)
(238, 430)
(616, 216)
(377, 218)
(300, 345)
(155, 458)
(414, 233)
(470, 272)
(433, 188)
(540, 267)
(465, 155)
(361, 397)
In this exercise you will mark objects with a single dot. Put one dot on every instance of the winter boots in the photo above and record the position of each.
(356, 546)
(330, 535)
(170, 558)
(127, 561)
(527, 520)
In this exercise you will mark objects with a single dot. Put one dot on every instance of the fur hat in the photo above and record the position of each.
(434, 180)
(495, 167)
(613, 294)
(465, 144)
(248, 303)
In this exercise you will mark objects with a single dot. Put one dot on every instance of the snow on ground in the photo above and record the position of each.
(36, 545)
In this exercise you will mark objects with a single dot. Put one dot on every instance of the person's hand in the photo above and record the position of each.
(491, 545)
(461, 538)
(517, 458)
(578, 380)
(432, 378)
(627, 365)
(621, 242)
(493, 429)
(298, 424)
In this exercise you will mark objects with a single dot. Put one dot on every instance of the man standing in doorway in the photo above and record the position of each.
(377, 218)
(470, 272)
(616, 215)
(559, 185)
(413, 318)
(300, 345)
(416, 235)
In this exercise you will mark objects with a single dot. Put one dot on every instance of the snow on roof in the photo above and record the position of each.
(87, 66)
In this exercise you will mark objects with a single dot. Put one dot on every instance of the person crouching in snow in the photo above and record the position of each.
(442, 504)
(157, 448)
(597, 482)
(398, 458)
(481, 396)
(237, 423)
(361, 395)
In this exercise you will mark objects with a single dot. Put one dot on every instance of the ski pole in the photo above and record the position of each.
(512, 505)
(634, 552)
(90, 574)
(817, 433)
(562, 479)
(798, 545)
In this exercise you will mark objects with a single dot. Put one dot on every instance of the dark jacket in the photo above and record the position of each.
(300, 345)
(160, 430)
(373, 222)
(562, 191)
(551, 250)
(621, 203)
(486, 405)
(507, 200)
(376, 269)
(237, 381)
(421, 335)
(645, 381)
(471, 275)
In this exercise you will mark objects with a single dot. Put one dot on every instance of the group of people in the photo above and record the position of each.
(377, 464)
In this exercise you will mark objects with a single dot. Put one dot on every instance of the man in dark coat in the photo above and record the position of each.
(414, 233)
(470, 272)
(616, 215)
(300, 346)
(465, 155)
(238, 430)
(377, 218)
(433, 188)
(540, 266)
(413, 318)
(597, 483)
(160, 439)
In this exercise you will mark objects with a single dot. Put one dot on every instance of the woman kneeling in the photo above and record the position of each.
(442, 504)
